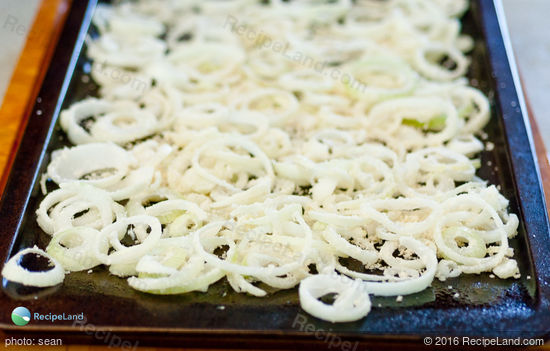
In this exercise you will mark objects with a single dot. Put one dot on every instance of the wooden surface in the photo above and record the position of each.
(27, 78)
(542, 156)
(24, 86)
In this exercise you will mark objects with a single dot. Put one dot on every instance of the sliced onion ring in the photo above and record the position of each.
(409, 286)
(125, 254)
(14, 272)
(71, 164)
(352, 302)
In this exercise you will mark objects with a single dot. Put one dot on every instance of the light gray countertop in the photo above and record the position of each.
(527, 20)
(530, 33)
(16, 19)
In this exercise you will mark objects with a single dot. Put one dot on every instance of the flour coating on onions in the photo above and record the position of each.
(240, 161)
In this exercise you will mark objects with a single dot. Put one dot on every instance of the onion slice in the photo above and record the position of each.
(13, 271)
(351, 303)
(90, 160)
(409, 286)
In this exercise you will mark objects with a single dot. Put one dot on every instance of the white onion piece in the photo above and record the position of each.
(337, 220)
(386, 253)
(73, 248)
(124, 126)
(239, 284)
(367, 257)
(261, 189)
(277, 105)
(481, 111)
(436, 72)
(473, 264)
(186, 280)
(58, 209)
(14, 272)
(410, 286)
(71, 164)
(351, 303)
(132, 184)
(234, 142)
(375, 209)
(166, 206)
(215, 261)
(122, 254)
(71, 118)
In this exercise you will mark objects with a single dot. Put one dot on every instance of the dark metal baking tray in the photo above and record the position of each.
(486, 307)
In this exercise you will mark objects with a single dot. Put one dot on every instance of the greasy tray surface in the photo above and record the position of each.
(485, 307)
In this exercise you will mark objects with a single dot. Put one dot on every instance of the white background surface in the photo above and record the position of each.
(16, 18)
(529, 25)
(528, 21)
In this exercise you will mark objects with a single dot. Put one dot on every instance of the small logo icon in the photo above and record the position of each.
(20, 316)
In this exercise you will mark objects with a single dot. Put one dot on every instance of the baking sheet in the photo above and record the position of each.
(484, 307)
